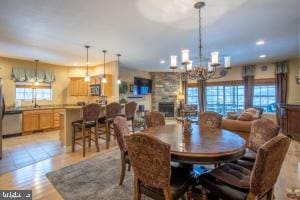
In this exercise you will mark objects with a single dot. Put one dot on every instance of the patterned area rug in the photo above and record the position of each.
(95, 178)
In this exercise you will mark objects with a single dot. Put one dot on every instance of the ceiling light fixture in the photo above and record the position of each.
(36, 83)
(119, 81)
(200, 72)
(260, 42)
(104, 80)
(87, 77)
(162, 62)
(263, 56)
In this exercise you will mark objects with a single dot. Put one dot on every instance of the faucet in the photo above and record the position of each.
(34, 100)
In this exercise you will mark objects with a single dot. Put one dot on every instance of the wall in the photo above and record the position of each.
(127, 75)
(60, 88)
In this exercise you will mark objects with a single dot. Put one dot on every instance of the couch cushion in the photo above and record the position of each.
(237, 125)
(246, 116)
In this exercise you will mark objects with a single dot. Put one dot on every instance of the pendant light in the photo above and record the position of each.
(87, 77)
(104, 80)
(119, 81)
(36, 83)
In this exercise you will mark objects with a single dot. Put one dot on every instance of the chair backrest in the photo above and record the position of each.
(121, 129)
(210, 120)
(130, 108)
(268, 163)
(154, 118)
(91, 112)
(262, 130)
(113, 110)
(150, 159)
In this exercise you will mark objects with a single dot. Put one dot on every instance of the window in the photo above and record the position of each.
(265, 97)
(192, 96)
(225, 98)
(25, 92)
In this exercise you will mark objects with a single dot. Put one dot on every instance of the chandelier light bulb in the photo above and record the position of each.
(174, 61)
(227, 62)
(185, 56)
(209, 67)
(215, 58)
(189, 66)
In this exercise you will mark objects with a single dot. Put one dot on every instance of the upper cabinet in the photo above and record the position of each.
(79, 87)
(107, 87)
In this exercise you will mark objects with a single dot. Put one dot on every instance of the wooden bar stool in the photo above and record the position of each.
(130, 109)
(90, 120)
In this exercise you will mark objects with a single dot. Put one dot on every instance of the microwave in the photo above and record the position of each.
(95, 90)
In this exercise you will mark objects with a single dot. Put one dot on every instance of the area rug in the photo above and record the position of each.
(95, 178)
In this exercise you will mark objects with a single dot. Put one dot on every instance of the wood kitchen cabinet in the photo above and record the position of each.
(30, 121)
(107, 87)
(45, 119)
(79, 87)
(56, 117)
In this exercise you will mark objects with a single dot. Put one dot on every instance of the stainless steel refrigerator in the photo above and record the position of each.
(2, 111)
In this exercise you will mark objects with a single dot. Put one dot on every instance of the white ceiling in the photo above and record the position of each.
(146, 31)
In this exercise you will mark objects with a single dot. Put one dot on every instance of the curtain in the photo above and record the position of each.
(281, 81)
(29, 75)
(248, 73)
(201, 95)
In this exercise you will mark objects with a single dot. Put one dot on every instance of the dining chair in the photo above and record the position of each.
(262, 130)
(210, 120)
(153, 175)
(130, 109)
(112, 111)
(154, 118)
(89, 120)
(121, 129)
(233, 182)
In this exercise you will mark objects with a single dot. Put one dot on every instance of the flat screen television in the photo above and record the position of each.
(142, 86)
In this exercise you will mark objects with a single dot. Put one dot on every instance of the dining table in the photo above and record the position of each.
(201, 145)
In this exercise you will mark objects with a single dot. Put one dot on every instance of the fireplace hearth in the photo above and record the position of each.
(167, 108)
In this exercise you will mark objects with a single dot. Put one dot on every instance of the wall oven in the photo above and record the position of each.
(95, 90)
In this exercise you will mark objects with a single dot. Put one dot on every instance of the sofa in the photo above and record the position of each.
(242, 127)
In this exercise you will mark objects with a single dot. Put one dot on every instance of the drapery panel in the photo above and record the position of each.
(29, 75)
(248, 73)
(281, 81)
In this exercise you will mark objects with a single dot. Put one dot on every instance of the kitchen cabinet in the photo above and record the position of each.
(56, 117)
(79, 87)
(30, 121)
(45, 119)
(107, 87)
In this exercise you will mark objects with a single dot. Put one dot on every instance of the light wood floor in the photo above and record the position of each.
(34, 178)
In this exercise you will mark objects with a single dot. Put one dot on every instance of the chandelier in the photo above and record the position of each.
(200, 72)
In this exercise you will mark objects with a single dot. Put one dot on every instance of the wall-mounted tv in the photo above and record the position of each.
(142, 86)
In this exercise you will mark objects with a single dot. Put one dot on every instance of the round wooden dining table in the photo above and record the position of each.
(202, 145)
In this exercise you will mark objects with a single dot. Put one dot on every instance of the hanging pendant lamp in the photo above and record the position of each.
(36, 83)
(87, 77)
(119, 81)
(104, 80)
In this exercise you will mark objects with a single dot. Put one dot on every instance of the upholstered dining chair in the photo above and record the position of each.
(153, 175)
(262, 130)
(233, 182)
(112, 111)
(210, 120)
(130, 109)
(154, 118)
(89, 120)
(121, 129)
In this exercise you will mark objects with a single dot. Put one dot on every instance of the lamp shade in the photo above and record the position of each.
(174, 61)
(215, 58)
(189, 66)
(227, 61)
(185, 55)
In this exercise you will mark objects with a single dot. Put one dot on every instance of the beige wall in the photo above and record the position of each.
(127, 75)
(60, 88)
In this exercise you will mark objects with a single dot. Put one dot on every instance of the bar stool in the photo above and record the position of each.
(112, 111)
(130, 109)
(89, 121)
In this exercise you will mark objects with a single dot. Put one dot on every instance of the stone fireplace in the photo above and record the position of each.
(165, 88)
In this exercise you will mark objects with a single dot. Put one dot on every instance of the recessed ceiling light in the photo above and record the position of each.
(263, 56)
(162, 62)
(260, 42)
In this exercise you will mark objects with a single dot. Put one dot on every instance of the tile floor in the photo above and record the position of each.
(22, 151)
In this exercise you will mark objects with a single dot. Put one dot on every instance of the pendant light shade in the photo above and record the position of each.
(104, 80)
(119, 81)
(36, 83)
(87, 77)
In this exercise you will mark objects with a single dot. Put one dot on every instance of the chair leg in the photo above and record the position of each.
(137, 189)
(83, 142)
(123, 169)
(107, 129)
(73, 139)
(90, 137)
(133, 124)
(189, 194)
(129, 167)
(203, 195)
(168, 194)
(96, 138)
(270, 194)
